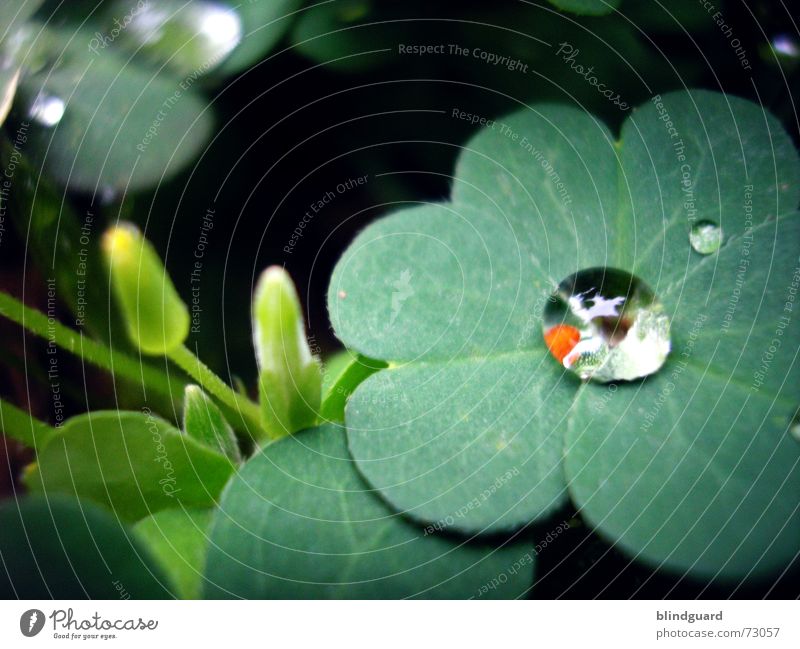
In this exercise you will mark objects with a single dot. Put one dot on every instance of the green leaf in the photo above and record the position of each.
(156, 317)
(587, 7)
(62, 548)
(538, 196)
(299, 522)
(203, 421)
(263, 24)
(332, 366)
(341, 379)
(134, 463)
(347, 35)
(99, 124)
(177, 538)
(290, 377)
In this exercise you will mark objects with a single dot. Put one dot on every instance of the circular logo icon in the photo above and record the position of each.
(31, 622)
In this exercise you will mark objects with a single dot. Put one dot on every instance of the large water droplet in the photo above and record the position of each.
(606, 325)
(705, 237)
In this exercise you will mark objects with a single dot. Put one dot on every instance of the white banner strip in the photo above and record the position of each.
(386, 625)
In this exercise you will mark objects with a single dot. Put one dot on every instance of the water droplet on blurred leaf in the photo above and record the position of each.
(794, 426)
(781, 49)
(189, 38)
(786, 45)
(606, 325)
(47, 110)
(119, 125)
(705, 237)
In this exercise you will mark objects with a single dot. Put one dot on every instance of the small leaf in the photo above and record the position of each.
(299, 522)
(178, 540)
(342, 383)
(134, 463)
(203, 421)
(692, 468)
(290, 378)
(156, 317)
(62, 548)
(587, 7)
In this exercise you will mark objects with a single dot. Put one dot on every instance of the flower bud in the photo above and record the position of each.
(290, 377)
(156, 317)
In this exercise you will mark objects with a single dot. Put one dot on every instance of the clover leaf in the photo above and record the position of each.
(692, 467)
(298, 521)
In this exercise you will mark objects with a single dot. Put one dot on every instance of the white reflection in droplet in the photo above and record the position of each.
(223, 28)
(785, 45)
(47, 110)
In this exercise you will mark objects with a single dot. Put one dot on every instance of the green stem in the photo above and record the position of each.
(210, 382)
(89, 350)
(23, 427)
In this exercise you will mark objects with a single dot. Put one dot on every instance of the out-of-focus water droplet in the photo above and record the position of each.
(781, 49)
(191, 38)
(794, 426)
(786, 45)
(47, 110)
(705, 237)
(606, 325)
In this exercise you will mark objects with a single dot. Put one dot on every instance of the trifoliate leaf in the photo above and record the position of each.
(691, 467)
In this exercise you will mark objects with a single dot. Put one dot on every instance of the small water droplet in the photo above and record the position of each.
(47, 110)
(606, 325)
(705, 237)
